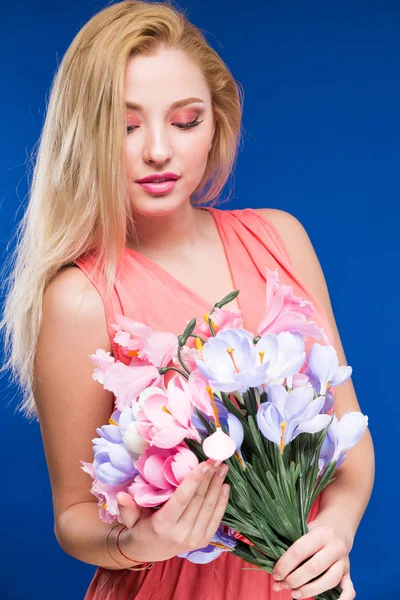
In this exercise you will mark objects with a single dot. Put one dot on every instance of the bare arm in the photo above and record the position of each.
(345, 500)
(71, 405)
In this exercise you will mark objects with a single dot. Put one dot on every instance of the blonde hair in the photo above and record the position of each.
(70, 212)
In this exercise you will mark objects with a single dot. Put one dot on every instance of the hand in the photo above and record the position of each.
(129, 511)
(187, 521)
(328, 550)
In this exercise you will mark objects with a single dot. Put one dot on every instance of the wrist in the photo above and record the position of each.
(338, 521)
(132, 543)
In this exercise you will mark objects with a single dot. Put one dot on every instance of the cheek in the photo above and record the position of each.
(194, 149)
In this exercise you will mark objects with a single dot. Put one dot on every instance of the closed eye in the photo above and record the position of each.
(193, 123)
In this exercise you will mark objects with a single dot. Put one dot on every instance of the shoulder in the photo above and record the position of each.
(301, 251)
(286, 223)
(296, 240)
(73, 306)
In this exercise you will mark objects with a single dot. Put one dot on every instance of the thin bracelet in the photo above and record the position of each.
(115, 560)
(124, 555)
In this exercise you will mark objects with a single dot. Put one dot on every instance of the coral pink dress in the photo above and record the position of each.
(146, 292)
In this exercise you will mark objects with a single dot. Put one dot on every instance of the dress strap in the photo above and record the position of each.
(111, 305)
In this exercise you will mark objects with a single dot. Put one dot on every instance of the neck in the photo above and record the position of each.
(168, 233)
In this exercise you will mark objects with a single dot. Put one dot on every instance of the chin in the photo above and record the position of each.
(158, 206)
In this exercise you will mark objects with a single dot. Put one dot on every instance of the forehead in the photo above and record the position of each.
(162, 78)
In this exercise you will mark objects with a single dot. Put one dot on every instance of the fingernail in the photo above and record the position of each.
(297, 595)
(285, 585)
(217, 463)
(277, 577)
(206, 468)
(223, 471)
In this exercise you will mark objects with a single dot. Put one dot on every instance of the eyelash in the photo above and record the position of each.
(193, 123)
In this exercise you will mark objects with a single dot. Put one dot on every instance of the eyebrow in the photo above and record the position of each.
(177, 104)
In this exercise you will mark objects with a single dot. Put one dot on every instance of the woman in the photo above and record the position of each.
(140, 94)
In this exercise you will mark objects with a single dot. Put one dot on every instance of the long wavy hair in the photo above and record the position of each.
(77, 204)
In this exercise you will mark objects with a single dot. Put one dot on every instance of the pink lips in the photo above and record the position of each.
(151, 185)
(158, 188)
(155, 176)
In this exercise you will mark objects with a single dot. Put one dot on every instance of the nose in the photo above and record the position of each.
(157, 147)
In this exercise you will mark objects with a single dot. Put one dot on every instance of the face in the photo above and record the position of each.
(163, 138)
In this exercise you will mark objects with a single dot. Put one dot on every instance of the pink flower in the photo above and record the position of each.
(103, 361)
(222, 318)
(190, 355)
(197, 390)
(219, 445)
(286, 312)
(160, 473)
(127, 382)
(143, 344)
(165, 418)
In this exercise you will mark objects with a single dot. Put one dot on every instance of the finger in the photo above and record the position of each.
(314, 567)
(198, 513)
(129, 511)
(306, 546)
(327, 581)
(194, 485)
(216, 517)
(348, 591)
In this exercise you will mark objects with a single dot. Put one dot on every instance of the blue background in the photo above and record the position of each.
(322, 132)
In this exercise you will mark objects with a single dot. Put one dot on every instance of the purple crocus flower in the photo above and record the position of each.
(286, 354)
(341, 436)
(236, 432)
(222, 416)
(209, 553)
(286, 414)
(231, 362)
(323, 368)
(112, 462)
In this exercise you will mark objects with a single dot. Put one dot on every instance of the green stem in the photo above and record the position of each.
(181, 360)
(304, 527)
(163, 370)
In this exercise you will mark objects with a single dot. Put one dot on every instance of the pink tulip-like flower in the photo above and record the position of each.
(103, 361)
(219, 445)
(222, 318)
(127, 382)
(143, 344)
(160, 472)
(165, 419)
(197, 388)
(190, 355)
(286, 312)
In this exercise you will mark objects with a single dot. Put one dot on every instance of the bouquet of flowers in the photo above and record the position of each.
(219, 391)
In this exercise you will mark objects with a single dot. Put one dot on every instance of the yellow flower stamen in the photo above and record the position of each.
(239, 459)
(207, 318)
(209, 391)
(328, 385)
(133, 352)
(283, 427)
(219, 545)
(112, 422)
(262, 354)
(165, 409)
(199, 345)
(104, 506)
(230, 352)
